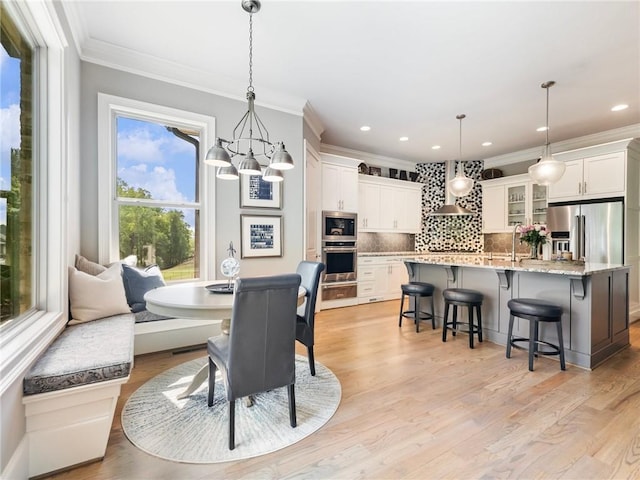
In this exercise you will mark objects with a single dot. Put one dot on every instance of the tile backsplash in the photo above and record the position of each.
(462, 233)
(501, 243)
(386, 242)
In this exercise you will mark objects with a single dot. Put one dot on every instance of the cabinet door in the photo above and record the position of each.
(381, 280)
(538, 203)
(397, 276)
(339, 188)
(493, 209)
(331, 195)
(407, 203)
(387, 208)
(604, 175)
(368, 207)
(570, 184)
(517, 203)
(349, 189)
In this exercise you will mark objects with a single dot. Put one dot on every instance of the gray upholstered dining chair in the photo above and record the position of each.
(310, 274)
(258, 355)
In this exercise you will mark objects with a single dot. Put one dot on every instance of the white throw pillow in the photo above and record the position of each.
(98, 296)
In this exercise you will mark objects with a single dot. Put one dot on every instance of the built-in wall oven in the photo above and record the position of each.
(339, 255)
(340, 260)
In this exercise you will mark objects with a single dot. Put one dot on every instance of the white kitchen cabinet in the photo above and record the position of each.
(380, 278)
(512, 200)
(368, 207)
(591, 177)
(339, 188)
(388, 205)
(493, 208)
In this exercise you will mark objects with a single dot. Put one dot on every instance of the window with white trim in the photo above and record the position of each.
(16, 171)
(157, 191)
(37, 312)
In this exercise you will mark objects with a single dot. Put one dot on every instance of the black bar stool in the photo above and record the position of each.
(462, 297)
(535, 311)
(417, 290)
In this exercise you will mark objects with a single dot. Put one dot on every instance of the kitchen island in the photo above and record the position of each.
(594, 298)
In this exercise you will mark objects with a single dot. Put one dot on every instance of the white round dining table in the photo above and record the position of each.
(194, 301)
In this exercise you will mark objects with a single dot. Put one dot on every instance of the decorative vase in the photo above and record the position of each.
(534, 251)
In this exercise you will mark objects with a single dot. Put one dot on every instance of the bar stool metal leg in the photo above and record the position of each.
(401, 308)
(563, 366)
(433, 315)
(509, 336)
(533, 338)
(471, 329)
(455, 320)
(446, 319)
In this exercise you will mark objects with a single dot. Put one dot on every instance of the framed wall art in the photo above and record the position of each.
(261, 236)
(255, 192)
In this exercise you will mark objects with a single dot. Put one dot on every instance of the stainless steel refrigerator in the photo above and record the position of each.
(592, 230)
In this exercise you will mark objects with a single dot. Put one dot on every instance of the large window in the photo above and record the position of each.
(35, 149)
(158, 196)
(16, 172)
(154, 200)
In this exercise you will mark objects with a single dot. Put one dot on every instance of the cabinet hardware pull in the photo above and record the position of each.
(580, 188)
(585, 187)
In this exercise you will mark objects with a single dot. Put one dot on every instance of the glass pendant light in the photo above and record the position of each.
(460, 185)
(548, 170)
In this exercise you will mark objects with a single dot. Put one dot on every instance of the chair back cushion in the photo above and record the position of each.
(310, 279)
(262, 334)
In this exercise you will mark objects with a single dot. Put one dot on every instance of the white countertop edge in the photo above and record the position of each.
(589, 268)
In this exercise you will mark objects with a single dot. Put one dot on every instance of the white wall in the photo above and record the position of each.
(227, 112)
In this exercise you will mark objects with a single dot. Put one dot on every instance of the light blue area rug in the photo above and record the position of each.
(155, 421)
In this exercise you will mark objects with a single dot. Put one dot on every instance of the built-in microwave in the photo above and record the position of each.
(339, 226)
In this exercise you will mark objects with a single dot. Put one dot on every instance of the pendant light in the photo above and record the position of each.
(548, 170)
(244, 141)
(460, 185)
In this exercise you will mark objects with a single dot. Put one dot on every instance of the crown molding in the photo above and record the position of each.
(313, 120)
(127, 60)
(532, 154)
(370, 158)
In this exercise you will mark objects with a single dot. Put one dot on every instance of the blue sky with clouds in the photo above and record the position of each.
(151, 157)
(9, 120)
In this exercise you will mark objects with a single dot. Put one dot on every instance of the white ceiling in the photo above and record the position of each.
(404, 68)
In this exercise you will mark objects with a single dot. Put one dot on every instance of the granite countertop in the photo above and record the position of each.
(387, 254)
(523, 265)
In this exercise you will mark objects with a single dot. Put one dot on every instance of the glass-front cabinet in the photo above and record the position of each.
(538, 203)
(512, 200)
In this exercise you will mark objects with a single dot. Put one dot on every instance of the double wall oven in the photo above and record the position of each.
(339, 254)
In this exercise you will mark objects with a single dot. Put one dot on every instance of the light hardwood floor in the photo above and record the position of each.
(414, 407)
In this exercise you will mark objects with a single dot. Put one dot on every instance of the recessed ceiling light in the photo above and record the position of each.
(617, 108)
(487, 144)
(435, 147)
(403, 139)
(365, 128)
(541, 129)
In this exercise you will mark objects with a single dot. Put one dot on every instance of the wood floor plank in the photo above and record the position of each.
(414, 407)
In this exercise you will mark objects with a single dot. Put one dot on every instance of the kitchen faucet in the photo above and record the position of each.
(513, 242)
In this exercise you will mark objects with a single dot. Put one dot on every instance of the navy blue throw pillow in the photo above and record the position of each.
(138, 282)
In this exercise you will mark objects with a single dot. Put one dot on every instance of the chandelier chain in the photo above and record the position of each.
(250, 88)
(547, 121)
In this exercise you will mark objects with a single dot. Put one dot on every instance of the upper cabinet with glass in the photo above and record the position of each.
(512, 200)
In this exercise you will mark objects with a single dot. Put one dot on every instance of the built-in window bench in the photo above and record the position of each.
(70, 393)
(153, 335)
